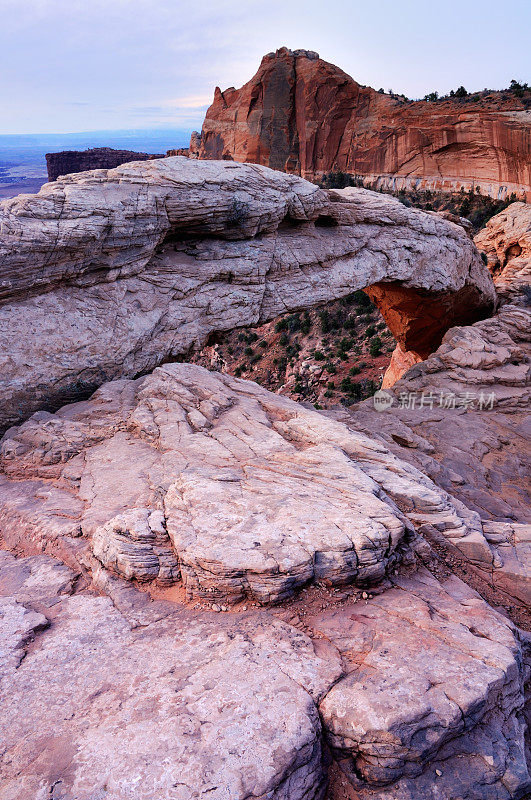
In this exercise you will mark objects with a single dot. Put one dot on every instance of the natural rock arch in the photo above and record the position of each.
(107, 274)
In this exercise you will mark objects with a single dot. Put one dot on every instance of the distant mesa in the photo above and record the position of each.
(70, 161)
(305, 116)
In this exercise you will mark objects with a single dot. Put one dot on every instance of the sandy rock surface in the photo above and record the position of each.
(434, 681)
(405, 687)
(189, 706)
(188, 474)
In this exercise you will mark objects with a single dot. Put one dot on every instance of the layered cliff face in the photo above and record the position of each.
(303, 115)
(69, 161)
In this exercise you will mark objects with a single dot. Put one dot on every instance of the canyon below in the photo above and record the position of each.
(265, 520)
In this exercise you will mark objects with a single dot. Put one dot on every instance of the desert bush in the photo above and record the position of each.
(375, 346)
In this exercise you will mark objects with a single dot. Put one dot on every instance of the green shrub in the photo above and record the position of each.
(350, 323)
(319, 355)
(375, 346)
(362, 300)
(345, 385)
(345, 344)
(249, 351)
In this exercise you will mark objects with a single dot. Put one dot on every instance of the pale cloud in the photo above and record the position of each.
(68, 65)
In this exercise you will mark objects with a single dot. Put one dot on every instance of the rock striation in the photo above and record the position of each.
(306, 116)
(140, 520)
(433, 682)
(476, 449)
(186, 706)
(506, 241)
(418, 689)
(188, 475)
(130, 267)
(70, 161)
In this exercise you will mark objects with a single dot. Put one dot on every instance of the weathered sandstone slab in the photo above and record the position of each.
(462, 418)
(108, 273)
(189, 706)
(506, 241)
(420, 690)
(306, 116)
(432, 704)
(237, 491)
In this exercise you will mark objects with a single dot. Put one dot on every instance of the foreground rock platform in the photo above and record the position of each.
(191, 475)
(187, 707)
(432, 703)
(418, 691)
(120, 270)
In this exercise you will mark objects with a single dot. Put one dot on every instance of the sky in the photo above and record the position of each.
(85, 65)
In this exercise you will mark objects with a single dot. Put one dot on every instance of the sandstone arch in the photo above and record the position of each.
(106, 274)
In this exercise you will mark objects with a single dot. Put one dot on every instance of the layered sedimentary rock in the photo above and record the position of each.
(69, 161)
(432, 702)
(106, 274)
(462, 417)
(194, 477)
(187, 706)
(306, 116)
(187, 479)
(186, 474)
(506, 241)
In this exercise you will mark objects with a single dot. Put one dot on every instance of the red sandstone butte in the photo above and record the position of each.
(303, 115)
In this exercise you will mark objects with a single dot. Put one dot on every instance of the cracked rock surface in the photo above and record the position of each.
(122, 269)
(191, 475)
(481, 456)
(188, 707)
(419, 692)
(432, 703)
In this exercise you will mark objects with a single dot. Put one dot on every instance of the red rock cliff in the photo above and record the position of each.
(69, 161)
(303, 115)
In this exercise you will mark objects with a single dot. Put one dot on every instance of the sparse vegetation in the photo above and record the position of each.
(320, 356)
(375, 346)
